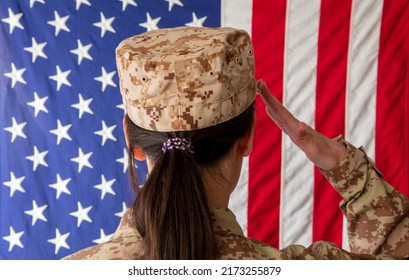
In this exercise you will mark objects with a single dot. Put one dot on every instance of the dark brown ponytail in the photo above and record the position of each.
(171, 210)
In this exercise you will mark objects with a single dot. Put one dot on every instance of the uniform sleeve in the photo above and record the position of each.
(377, 214)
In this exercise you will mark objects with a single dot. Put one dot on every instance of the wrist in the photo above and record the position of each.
(341, 152)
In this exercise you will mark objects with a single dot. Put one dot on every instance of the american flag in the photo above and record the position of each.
(340, 66)
(64, 182)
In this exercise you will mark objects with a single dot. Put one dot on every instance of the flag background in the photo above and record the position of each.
(341, 67)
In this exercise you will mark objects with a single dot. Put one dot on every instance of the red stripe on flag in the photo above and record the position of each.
(268, 33)
(330, 109)
(392, 109)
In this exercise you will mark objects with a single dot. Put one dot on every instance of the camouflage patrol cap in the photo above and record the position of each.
(186, 78)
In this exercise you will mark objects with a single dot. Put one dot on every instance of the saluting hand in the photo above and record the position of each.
(324, 152)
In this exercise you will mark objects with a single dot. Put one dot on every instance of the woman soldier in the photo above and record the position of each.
(189, 96)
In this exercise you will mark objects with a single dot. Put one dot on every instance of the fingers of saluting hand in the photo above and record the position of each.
(277, 112)
(322, 151)
(299, 132)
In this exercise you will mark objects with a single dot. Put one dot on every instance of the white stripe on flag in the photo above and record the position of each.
(237, 13)
(300, 61)
(363, 50)
(239, 198)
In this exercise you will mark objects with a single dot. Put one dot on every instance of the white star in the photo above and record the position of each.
(61, 132)
(125, 3)
(16, 75)
(81, 214)
(105, 187)
(150, 24)
(15, 184)
(60, 186)
(61, 78)
(82, 51)
(37, 213)
(82, 160)
(105, 24)
(38, 104)
(32, 2)
(124, 160)
(59, 23)
(59, 241)
(38, 158)
(83, 106)
(120, 214)
(36, 49)
(16, 130)
(173, 2)
(106, 79)
(14, 239)
(103, 238)
(106, 133)
(13, 20)
(79, 2)
(196, 22)
(121, 106)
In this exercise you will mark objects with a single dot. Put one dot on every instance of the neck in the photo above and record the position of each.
(220, 181)
(218, 193)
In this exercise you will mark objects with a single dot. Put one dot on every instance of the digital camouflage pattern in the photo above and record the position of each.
(186, 78)
(377, 214)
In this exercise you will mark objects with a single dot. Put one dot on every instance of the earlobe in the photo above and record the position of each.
(246, 143)
(139, 154)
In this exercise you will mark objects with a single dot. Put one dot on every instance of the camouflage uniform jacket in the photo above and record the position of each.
(377, 214)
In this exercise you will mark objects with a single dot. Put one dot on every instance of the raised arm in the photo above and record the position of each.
(377, 214)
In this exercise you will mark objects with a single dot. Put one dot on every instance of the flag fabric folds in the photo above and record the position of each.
(340, 66)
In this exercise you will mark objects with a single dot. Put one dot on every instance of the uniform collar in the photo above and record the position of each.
(225, 222)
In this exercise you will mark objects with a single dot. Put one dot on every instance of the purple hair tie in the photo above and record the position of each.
(177, 143)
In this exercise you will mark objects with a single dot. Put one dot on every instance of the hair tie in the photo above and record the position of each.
(177, 143)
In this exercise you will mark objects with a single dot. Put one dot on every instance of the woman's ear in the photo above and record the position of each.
(246, 143)
(139, 154)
